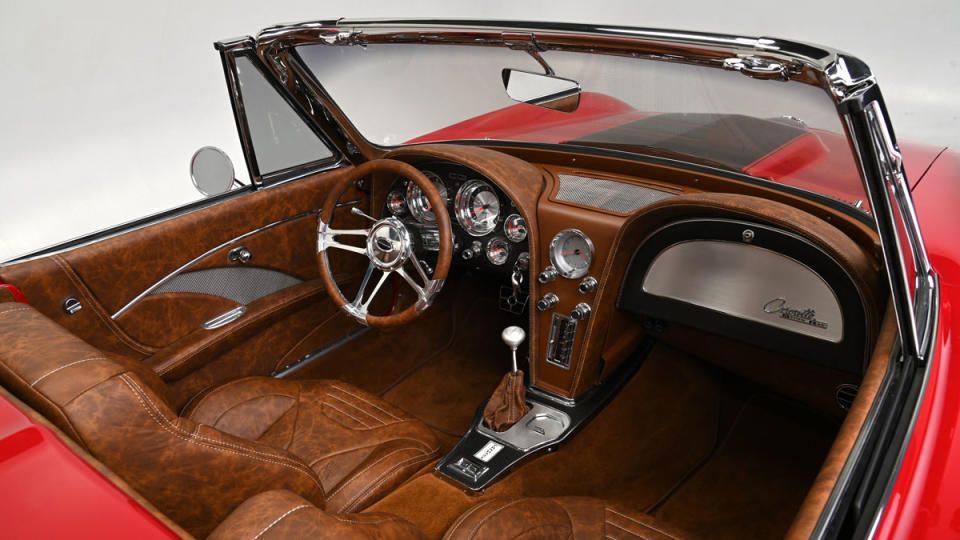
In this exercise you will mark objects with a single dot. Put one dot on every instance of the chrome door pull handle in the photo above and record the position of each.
(225, 318)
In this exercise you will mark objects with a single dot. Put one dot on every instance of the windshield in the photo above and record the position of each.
(406, 93)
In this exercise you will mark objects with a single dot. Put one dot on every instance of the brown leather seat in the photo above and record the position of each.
(555, 517)
(359, 446)
(322, 440)
(281, 514)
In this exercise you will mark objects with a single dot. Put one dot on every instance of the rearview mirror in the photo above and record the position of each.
(211, 171)
(546, 91)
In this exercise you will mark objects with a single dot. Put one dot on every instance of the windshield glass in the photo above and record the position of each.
(407, 93)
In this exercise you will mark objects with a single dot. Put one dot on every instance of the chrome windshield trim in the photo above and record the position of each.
(195, 260)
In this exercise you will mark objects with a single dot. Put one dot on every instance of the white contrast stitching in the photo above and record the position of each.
(374, 405)
(51, 372)
(651, 527)
(345, 413)
(5, 311)
(345, 402)
(285, 514)
(165, 424)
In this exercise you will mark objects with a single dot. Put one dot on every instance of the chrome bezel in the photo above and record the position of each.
(417, 202)
(506, 248)
(396, 202)
(465, 195)
(564, 269)
(506, 231)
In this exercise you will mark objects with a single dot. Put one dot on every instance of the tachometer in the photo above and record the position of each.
(515, 228)
(478, 207)
(417, 201)
(571, 252)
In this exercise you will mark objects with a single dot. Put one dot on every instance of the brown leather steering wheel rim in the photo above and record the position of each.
(439, 208)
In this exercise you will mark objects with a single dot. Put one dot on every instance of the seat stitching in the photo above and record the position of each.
(22, 308)
(198, 436)
(364, 447)
(193, 438)
(374, 405)
(357, 474)
(56, 407)
(248, 400)
(476, 527)
(416, 460)
(341, 400)
(341, 411)
(622, 528)
(51, 372)
(565, 511)
(285, 514)
(345, 519)
(642, 524)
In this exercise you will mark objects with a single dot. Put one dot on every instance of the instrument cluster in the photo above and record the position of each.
(488, 230)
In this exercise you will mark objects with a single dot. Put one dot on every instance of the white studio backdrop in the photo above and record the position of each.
(102, 104)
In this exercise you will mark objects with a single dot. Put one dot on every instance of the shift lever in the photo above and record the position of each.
(513, 336)
(508, 403)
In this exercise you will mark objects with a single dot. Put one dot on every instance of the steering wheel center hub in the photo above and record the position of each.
(388, 244)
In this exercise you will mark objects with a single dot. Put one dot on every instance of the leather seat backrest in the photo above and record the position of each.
(193, 473)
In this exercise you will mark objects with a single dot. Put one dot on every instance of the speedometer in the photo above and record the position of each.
(571, 253)
(417, 200)
(478, 208)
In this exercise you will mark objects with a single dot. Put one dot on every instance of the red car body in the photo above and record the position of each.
(59, 494)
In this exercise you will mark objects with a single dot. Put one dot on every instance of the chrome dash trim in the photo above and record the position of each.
(206, 254)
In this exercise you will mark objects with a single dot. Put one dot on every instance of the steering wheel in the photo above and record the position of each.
(388, 246)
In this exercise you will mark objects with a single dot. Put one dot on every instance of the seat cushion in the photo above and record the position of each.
(283, 514)
(549, 518)
(360, 447)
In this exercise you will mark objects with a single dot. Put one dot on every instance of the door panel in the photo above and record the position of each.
(175, 275)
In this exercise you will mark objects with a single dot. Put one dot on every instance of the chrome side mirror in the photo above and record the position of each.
(211, 171)
(546, 91)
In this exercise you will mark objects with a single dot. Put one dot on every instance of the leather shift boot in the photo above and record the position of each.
(508, 403)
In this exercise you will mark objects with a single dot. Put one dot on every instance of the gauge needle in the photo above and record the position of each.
(575, 252)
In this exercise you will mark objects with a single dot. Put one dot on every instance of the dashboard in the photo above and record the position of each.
(589, 236)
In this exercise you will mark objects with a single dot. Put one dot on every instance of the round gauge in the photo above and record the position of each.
(418, 202)
(497, 251)
(571, 252)
(395, 203)
(478, 208)
(515, 228)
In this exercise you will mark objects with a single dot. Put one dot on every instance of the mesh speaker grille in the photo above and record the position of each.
(240, 284)
(607, 194)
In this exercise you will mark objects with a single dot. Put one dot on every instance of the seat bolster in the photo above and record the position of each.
(283, 514)
(247, 407)
(557, 517)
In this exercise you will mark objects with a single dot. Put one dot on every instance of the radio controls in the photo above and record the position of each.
(589, 284)
(472, 252)
(547, 302)
(581, 312)
(549, 274)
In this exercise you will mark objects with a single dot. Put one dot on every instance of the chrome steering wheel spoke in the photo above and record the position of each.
(327, 238)
(427, 290)
(359, 307)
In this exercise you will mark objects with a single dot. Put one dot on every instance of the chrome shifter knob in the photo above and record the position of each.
(513, 336)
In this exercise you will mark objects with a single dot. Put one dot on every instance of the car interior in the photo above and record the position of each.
(594, 346)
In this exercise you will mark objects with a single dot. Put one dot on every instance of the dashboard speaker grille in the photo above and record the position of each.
(607, 194)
